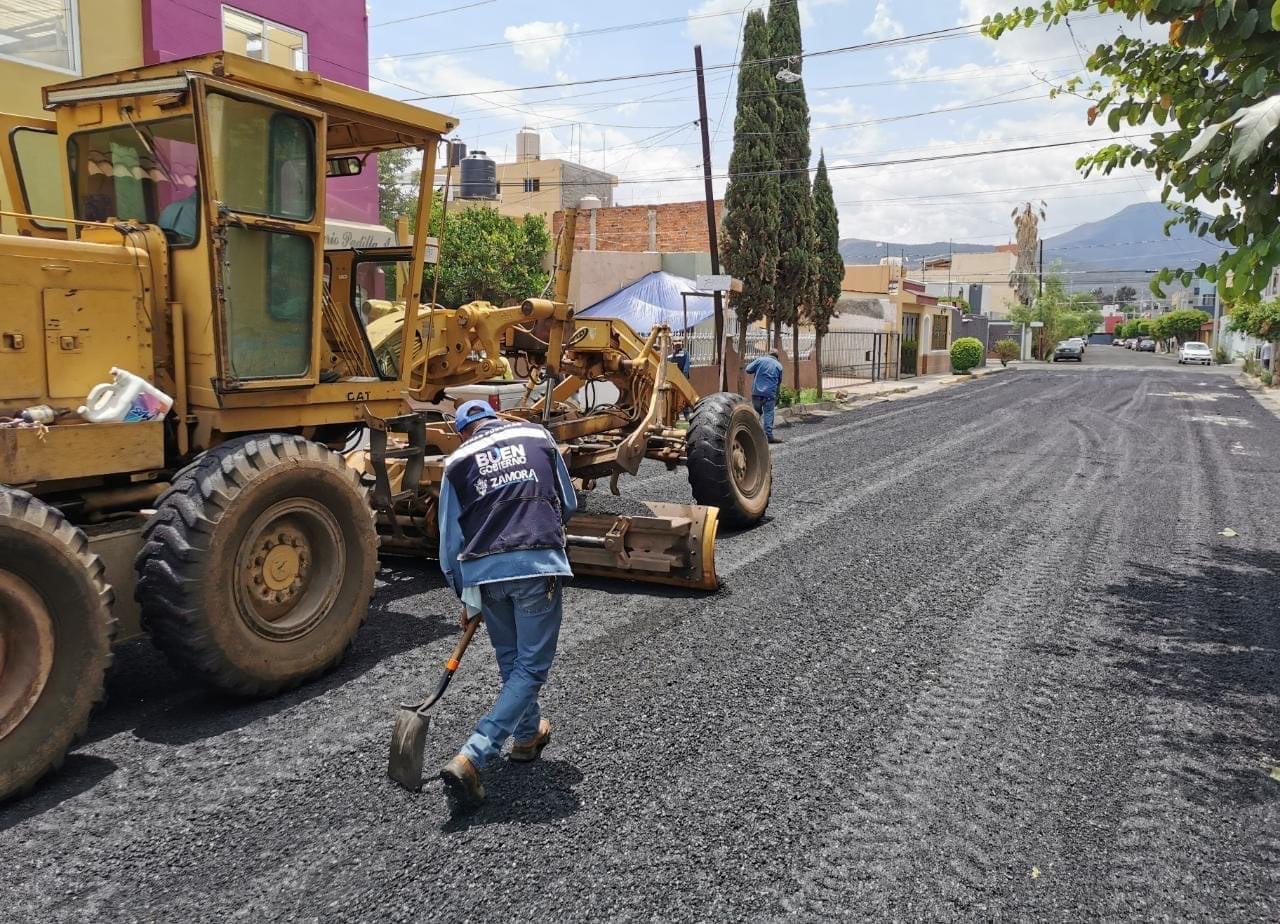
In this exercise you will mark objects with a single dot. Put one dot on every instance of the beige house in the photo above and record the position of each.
(530, 185)
(982, 279)
(913, 313)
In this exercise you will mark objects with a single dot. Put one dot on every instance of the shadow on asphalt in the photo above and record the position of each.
(79, 773)
(523, 794)
(1209, 636)
(146, 694)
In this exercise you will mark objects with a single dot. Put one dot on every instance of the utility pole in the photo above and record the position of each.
(1042, 266)
(711, 213)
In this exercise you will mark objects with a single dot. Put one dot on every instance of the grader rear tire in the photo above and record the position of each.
(55, 638)
(729, 462)
(256, 571)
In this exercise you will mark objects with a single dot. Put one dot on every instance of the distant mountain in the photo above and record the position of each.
(1107, 253)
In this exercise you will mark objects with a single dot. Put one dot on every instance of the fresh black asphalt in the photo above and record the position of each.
(990, 656)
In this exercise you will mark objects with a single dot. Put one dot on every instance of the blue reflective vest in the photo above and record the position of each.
(504, 478)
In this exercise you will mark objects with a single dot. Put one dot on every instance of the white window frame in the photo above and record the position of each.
(72, 8)
(306, 37)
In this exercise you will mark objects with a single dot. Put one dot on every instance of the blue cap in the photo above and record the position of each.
(470, 412)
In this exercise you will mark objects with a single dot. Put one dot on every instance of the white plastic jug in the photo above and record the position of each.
(127, 398)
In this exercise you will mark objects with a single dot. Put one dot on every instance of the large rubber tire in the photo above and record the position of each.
(729, 462)
(256, 571)
(55, 638)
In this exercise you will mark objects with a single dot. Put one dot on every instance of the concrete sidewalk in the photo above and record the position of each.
(852, 395)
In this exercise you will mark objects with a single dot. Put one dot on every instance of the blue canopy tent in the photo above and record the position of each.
(654, 299)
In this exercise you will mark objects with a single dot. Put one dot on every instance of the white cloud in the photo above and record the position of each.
(883, 25)
(911, 64)
(538, 44)
(712, 22)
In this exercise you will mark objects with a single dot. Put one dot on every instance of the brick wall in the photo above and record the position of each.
(677, 227)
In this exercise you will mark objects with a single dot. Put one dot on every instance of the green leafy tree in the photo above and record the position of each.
(1063, 315)
(1258, 319)
(490, 257)
(1181, 325)
(1213, 88)
(397, 185)
(828, 269)
(1126, 295)
(749, 233)
(795, 227)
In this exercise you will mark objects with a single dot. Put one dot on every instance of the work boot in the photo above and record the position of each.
(774, 439)
(522, 752)
(462, 784)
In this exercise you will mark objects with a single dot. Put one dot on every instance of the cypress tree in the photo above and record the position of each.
(828, 265)
(749, 242)
(795, 227)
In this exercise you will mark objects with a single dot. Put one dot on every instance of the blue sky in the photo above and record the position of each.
(644, 131)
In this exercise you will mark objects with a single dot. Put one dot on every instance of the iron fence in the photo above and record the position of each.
(845, 354)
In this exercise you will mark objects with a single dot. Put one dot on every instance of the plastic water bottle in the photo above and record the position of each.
(127, 398)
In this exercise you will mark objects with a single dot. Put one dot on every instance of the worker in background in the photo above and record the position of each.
(680, 357)
(504, 499)
(764, 389)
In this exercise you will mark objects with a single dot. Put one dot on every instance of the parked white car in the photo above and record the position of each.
(1195, 352)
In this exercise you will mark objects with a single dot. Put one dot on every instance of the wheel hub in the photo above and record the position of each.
(26, 649)
(739, 461)
(281, 561)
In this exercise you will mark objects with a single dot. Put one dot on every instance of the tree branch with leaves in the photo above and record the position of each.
(1213, 90)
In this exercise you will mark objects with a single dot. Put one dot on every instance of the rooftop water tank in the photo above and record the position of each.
(479, 177)
(528, 145)
(589, 203)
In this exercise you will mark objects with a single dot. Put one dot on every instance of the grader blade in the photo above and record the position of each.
(676, 546)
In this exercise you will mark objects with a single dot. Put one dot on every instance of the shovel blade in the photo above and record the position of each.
(408, 746)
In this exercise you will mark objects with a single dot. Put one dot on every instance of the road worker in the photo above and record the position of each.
(764, 388)
(504, 499)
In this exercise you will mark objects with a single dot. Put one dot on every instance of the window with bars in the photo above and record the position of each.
(532, 185)
(41, 32)
(941, 323)
(255, 37)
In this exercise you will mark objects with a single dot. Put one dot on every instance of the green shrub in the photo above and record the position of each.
(966, 354)
(1008, 350)
(1251, 366)
(1265, 378)
(1221, 357)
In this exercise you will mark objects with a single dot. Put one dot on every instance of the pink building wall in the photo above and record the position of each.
(337, 48)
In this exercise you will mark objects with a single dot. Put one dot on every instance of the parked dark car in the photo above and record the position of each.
(1146, 345)
(1069, 349)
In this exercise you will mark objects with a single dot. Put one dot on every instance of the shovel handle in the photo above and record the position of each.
(450, 666)
(461, 648)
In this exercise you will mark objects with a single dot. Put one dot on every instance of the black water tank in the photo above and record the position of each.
(457, 151)
(479, 177)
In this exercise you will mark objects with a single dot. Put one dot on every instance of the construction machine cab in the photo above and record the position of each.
(228, 160)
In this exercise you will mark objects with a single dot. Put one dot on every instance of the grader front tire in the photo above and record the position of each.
(55, 638)
(728, 458)
(256, 571)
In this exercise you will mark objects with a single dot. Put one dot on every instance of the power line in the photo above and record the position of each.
(452, 9)
(916, 38)
(577, 33)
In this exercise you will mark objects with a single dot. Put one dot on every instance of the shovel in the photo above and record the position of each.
(408, 740)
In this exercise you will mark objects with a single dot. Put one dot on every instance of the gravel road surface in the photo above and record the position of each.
(990, 656)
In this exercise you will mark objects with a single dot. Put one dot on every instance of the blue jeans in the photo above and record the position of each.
(523, 621)
(764, 405)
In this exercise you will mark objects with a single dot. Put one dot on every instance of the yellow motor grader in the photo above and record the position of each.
(170, 222)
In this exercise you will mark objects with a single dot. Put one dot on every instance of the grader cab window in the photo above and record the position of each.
(145, 172)
(263, 161)
(35, 153)
(378, 296)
